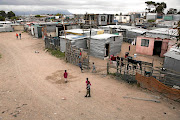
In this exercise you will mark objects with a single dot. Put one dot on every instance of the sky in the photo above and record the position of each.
(83, 6)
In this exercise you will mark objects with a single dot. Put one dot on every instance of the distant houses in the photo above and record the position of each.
(99, 19)
(150, 32)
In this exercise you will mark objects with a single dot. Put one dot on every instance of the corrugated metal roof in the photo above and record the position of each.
(165, 31)
(173, 54)
(104, 36)
(139, 30)
(73, 37)
(80, 31)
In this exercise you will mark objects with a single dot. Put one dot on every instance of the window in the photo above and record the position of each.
(92, 17)
(145, 42)
(124, 17)
(1, 25)
(102, 18)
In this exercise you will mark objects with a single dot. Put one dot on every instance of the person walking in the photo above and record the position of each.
(129, 47)
(94, 68)
(80, 65)
(65, 76)
(16, 35)
(20, 36)
(88, 85)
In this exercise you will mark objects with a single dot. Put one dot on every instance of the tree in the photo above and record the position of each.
(58, 14)
(3, 13)
(37, 15)
(2, 18)
(14, 18)
(172, 11)
(150, 5)
(10, 14)
(158, 7)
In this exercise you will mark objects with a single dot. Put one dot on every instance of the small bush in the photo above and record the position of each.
(56, 53)
(151, 21)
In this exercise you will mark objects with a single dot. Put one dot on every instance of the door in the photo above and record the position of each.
(106, 50)
(157, 48)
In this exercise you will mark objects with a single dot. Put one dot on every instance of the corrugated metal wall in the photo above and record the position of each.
(80, 43)
(62, 45)
(97, 47)
(172, 64)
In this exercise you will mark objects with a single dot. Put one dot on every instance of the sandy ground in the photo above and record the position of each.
(32, 88)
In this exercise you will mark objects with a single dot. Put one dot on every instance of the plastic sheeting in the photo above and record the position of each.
(152, 84)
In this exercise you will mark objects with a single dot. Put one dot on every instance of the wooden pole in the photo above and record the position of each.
(108, 67)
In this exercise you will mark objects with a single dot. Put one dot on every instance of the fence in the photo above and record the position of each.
(126, 69)
(153, 84)
(52, 43)
(73, 55)
(154, 79)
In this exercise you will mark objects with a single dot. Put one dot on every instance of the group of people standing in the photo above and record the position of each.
(18, 35)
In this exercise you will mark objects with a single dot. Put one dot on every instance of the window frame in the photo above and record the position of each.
(103, 18)
(145, 43)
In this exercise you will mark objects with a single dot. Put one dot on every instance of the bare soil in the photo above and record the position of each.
(32, 88)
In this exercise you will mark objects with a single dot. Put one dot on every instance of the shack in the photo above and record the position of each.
(60, 28)
(151, 46)
(172, 59)
(78, 41)
(6, 28)
(163, 33)
(85, 32)
(17, 27)
(104, 45)
(36, 31)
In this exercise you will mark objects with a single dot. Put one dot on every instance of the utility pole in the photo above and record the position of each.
(65, 38)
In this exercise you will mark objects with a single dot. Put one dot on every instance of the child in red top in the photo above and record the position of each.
(87, 81)
(88, 85)
(17, 35)
(65, 76)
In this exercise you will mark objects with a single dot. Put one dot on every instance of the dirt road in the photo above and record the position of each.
(32, 88)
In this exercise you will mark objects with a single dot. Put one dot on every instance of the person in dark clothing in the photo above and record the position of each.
(129, 47)
(88, 85)
(20, 36)
(117, 59)
(80, 65)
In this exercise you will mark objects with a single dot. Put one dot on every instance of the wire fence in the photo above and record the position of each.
(126, 69)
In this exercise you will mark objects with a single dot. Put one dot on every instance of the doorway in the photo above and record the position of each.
(106, 50)
(157, 48)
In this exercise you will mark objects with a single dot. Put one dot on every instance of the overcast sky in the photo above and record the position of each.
(83, 6)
